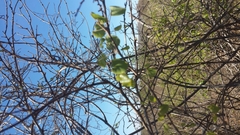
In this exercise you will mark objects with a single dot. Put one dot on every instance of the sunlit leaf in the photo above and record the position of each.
(99, 33)
(152, 99)
(116, 10)
(125, 80)
(119, 66)
(161, 118)
(122, 77)
(118, 28)
(102, 60)
(98, 17)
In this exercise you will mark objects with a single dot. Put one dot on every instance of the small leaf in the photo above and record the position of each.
(112, 43)
(117, 124)
(125, 48)
(163, 110)
(118, 28)
(99, 33)
(97, 26)
(214, 117)
(102, 60)
(147, 65)
(166, 128)
(151, 72)
(110, 46)
(161, 118)
(98, 17)
(191, 124)
(213, 108)
(122, 77)
(119, 66)
(210, 133)
(101, 42)
(125, 80)
(116, 10)
(51, 79)
(152, 99)
(116, 40)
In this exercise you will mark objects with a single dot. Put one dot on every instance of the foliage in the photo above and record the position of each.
(187, 49)
(176, 72)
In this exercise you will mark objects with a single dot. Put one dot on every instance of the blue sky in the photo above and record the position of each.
(86, 9)
(110, 110)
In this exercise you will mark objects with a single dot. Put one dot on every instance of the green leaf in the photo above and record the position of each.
(101, 42)
(119, 66)
(213, 108)
(125, 48)
(214, 117)
(110, 46)
(116, 10)
(118, 28)
(97, 26)
(99, 33)
(161, 118)
(125, 80)
(152, 99)
(163, 110)
(210, 133)
(147, 65)
(191, 124)
(98, 17)
(151, 72)
(114, 39)
(111, 41)
(166, 128)
(122, 77)
(102, 60)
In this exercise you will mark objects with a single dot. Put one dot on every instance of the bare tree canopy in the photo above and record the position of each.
(168, 67)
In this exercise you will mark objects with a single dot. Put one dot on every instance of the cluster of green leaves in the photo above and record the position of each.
(214, 110)
(176, 23)
(164, 108)
(111, 42)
